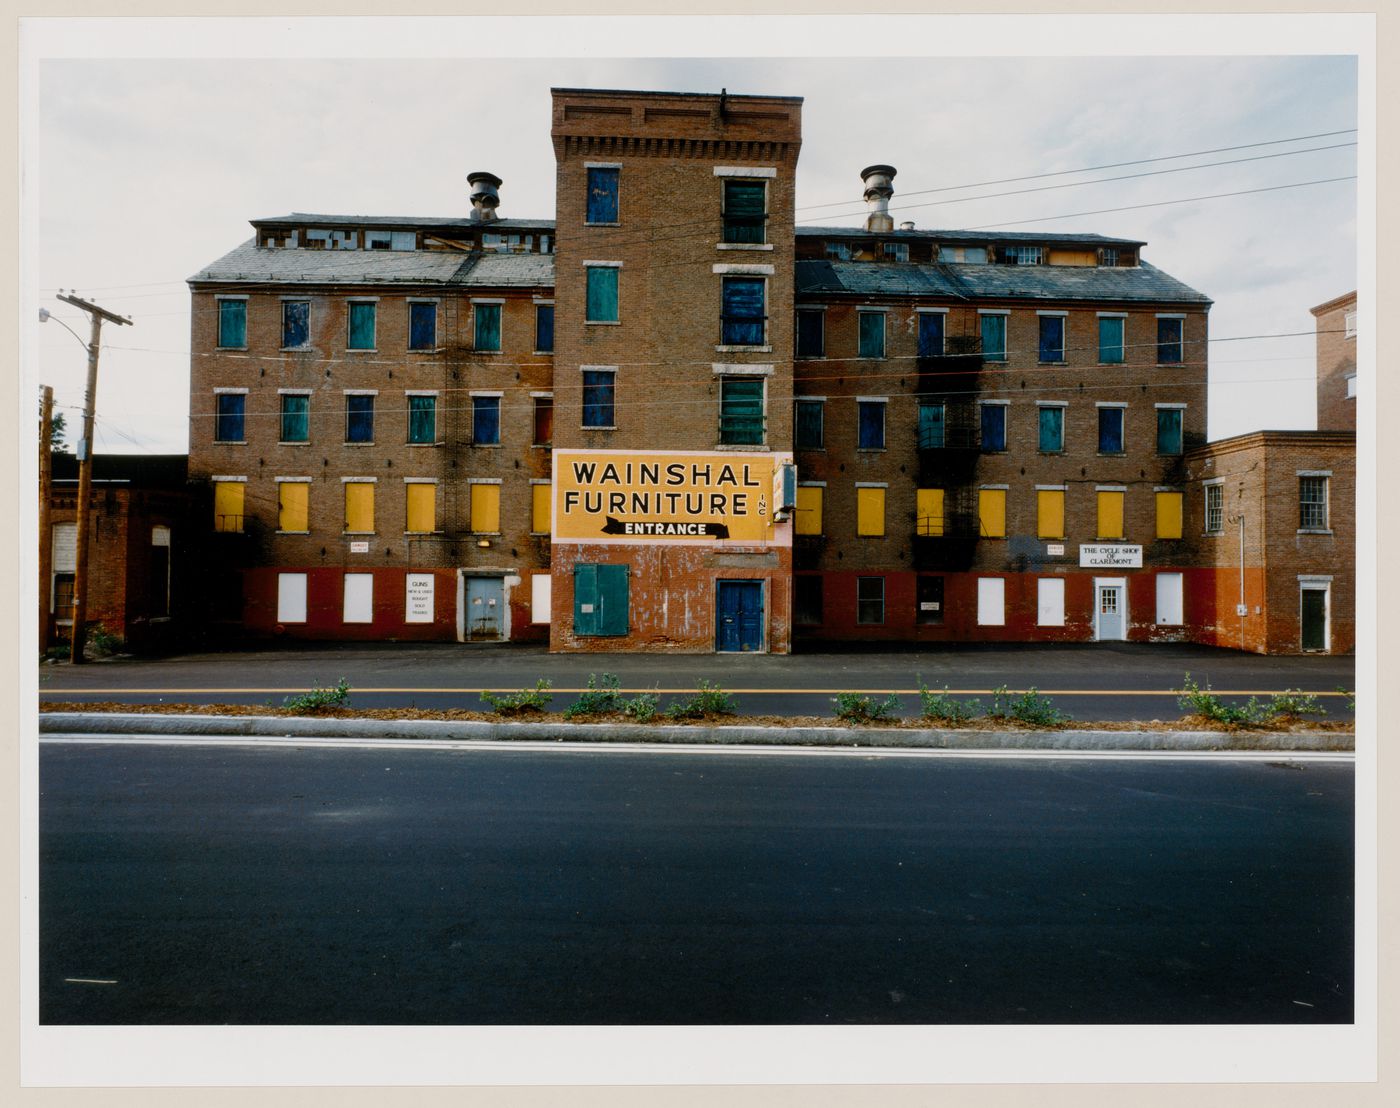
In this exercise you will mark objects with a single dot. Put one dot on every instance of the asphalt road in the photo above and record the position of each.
(269, 885)
(1098, 681)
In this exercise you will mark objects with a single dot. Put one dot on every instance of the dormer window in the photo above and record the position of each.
(895, 251)
(1020, 255)
(838, 251)
(1108, 256)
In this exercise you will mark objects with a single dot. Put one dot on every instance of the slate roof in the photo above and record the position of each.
(248, 264)
(974, 237)
(1144, 282)
(302, 219)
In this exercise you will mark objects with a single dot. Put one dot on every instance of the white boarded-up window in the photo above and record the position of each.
(65, 548)
(291, 598)
(991, 601)
(418, 598)
(1050, 602)
(539, 598)
(1169, 600)
(359, 598)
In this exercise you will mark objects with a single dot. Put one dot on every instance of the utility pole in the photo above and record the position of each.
(45, 531)
(80, 576)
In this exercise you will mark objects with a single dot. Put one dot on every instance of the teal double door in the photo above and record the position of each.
(738, 616)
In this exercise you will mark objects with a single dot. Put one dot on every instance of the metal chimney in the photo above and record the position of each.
(483, 196)
(879, 187)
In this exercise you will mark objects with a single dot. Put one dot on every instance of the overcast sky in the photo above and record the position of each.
(144, 171)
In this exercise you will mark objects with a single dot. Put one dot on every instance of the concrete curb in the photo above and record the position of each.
(116, 724)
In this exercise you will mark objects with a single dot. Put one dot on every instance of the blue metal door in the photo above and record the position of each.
(485, 608)
(739, 616)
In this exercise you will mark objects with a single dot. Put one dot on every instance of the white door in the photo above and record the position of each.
(1111, 615)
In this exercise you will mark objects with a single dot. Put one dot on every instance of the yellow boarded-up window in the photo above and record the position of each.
(292, 498)
(486, 509)
(1050, 513)
(807, 520)
(1169, 515)
(539, 509)
(991, 513)
(228, 505)
(928, 512)
(422, 507)
(1110, 515)
(870, 511)
(359, 506)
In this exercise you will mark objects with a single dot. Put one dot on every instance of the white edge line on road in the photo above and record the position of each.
(458, 745)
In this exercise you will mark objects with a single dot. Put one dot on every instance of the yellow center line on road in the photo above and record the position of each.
(49, 693)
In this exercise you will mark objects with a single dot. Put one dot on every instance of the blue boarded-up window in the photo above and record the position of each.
(1168, 430)
(930, 334)
(600, 600)
(228, 422)
(1052, 429)
(488, 327)
(359, 418)
(296, 411)
(361, 326)
(544, 328)
(233, 324)
(741, 411)
(1110, 340)
(296, 323)
(422, 326)
(602, 195)
(808, 429)
(1052, 338)
(422, 419)
(745, 208)
(598, 397)
(486, 420)
(1168, 341)
(871, 415)
(1110, 430)
(601, 306)
(743, 311)
(994, 338)
(931, 424)
(993, 427)
(872, 334)
(811, 339)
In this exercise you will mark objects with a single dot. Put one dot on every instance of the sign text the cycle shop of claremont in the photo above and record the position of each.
(658, 496)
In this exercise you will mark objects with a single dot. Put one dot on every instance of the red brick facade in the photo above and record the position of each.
(1336, 363)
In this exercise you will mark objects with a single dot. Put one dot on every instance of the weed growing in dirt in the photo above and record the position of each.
(858, 708)
(600, 696)
(1030, 708)
(940, 707)
(711, 700)
(1292, 703)
(522, 702)
(318, 700)
(1202, 702)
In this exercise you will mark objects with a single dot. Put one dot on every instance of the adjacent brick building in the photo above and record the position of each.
(671, 419)
(142, 550)
(1336, 363)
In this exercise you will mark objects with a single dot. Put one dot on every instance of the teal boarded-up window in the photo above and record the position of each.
(871, 334)
(602, 294)
(488, 326)
(745, 206)
(741, 411)
(600, 600)
(233, 324)
(994, 338)
(361, 326)
(931, 424)
(422, 419)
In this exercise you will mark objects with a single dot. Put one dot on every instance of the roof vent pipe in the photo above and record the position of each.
(879, 187)
(483, 196)
(907, 225)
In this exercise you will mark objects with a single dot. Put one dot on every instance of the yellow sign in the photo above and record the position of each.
(660, 496)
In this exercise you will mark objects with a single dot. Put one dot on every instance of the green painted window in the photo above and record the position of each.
(602, 294)
(1052, 430)
(296, 412)
(1168, 430)
(600, 600)
(741, 411)
(361, 325)
(488, 327)
(994, 338)
(233, 324)
(872, 334)
(422, 419)
(1110, 340)
(745, 208)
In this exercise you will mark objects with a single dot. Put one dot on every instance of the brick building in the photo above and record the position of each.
(1272, 515)
(142, 550)
(1336, 363)
(670, 419)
